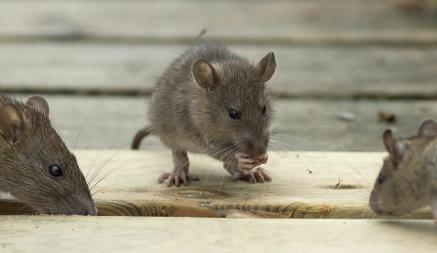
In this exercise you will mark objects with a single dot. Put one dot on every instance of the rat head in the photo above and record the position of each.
(403, 183)
(38, 169)
(232, 104)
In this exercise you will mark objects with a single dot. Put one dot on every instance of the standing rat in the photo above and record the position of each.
(35, 165)
(408, 178)
(212, 101)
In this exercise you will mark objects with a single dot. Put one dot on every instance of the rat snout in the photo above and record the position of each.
(379, 206)
(84, 206)
(256, 150)
(89, 209)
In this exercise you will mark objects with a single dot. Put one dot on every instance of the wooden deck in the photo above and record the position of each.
(305, 185)
(96, 62)
(124, 234)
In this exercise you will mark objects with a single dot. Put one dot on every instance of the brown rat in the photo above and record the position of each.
(213, 101)
(36, 166)
(408, 178)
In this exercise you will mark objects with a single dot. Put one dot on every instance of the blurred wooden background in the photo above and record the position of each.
(340, 63)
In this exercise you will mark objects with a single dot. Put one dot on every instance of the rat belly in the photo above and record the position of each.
(184, 144)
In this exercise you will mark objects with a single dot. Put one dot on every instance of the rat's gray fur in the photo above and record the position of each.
(24, 165)
(188, 117)
(408, 178)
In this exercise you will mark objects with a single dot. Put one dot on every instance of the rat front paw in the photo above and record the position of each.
(245, 162)
(177, 178)
(258, 175)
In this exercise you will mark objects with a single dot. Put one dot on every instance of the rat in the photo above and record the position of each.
(408, 178)
(36, 166)
(213, 101)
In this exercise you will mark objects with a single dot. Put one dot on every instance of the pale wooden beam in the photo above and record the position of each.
(305, 185)
(46, 234)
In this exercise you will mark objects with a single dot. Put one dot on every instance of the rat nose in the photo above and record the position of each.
(259, 150)
(86, 207)
(255, 149)
(91, 212)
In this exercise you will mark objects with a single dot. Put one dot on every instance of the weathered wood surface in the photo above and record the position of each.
(127, 234)
(86, 122)
(305, 185)
(315, 21)
(79, 68)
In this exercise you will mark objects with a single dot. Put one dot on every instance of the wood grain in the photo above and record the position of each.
(123, 69)
(281, 22)
(305, 185)
(127, 234)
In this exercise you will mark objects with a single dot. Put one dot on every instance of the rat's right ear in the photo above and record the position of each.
(394, 147)
(11, 124)
(204, 74)
(266, 67)
(428, 128)
(40, 104)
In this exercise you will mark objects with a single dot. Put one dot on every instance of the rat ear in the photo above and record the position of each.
(394, 147)
(428, 128)
(40, 104)
(204, 74)
(11, 124)
(266, 67)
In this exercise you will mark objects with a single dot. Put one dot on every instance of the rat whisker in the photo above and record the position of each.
(91, 168)
(124, 164)
(283, 143)
(102, 166)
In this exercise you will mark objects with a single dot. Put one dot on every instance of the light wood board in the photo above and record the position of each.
(124, 234)
(126, 69)
(305, 185)
(315, 21)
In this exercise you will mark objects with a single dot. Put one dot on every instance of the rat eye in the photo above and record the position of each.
(381, 178)
(234, 114)
(55, 171)
(264, 110)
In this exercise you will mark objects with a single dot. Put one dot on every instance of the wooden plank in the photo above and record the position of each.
(314, 21)
(86, 122)
(124, 234)
(302, 71)
(305, 185)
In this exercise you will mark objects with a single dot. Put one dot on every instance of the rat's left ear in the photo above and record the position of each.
(394, 147)
(40, 104)
(11, 124)
(428, 128)
(266, 67)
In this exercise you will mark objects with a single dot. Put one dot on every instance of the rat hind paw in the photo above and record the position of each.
(258, 175)
(177, 178)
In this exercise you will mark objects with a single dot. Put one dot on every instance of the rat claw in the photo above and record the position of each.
(264, 173)
(252, 178)
(177, 178)
(258, 175)
(163, 177)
